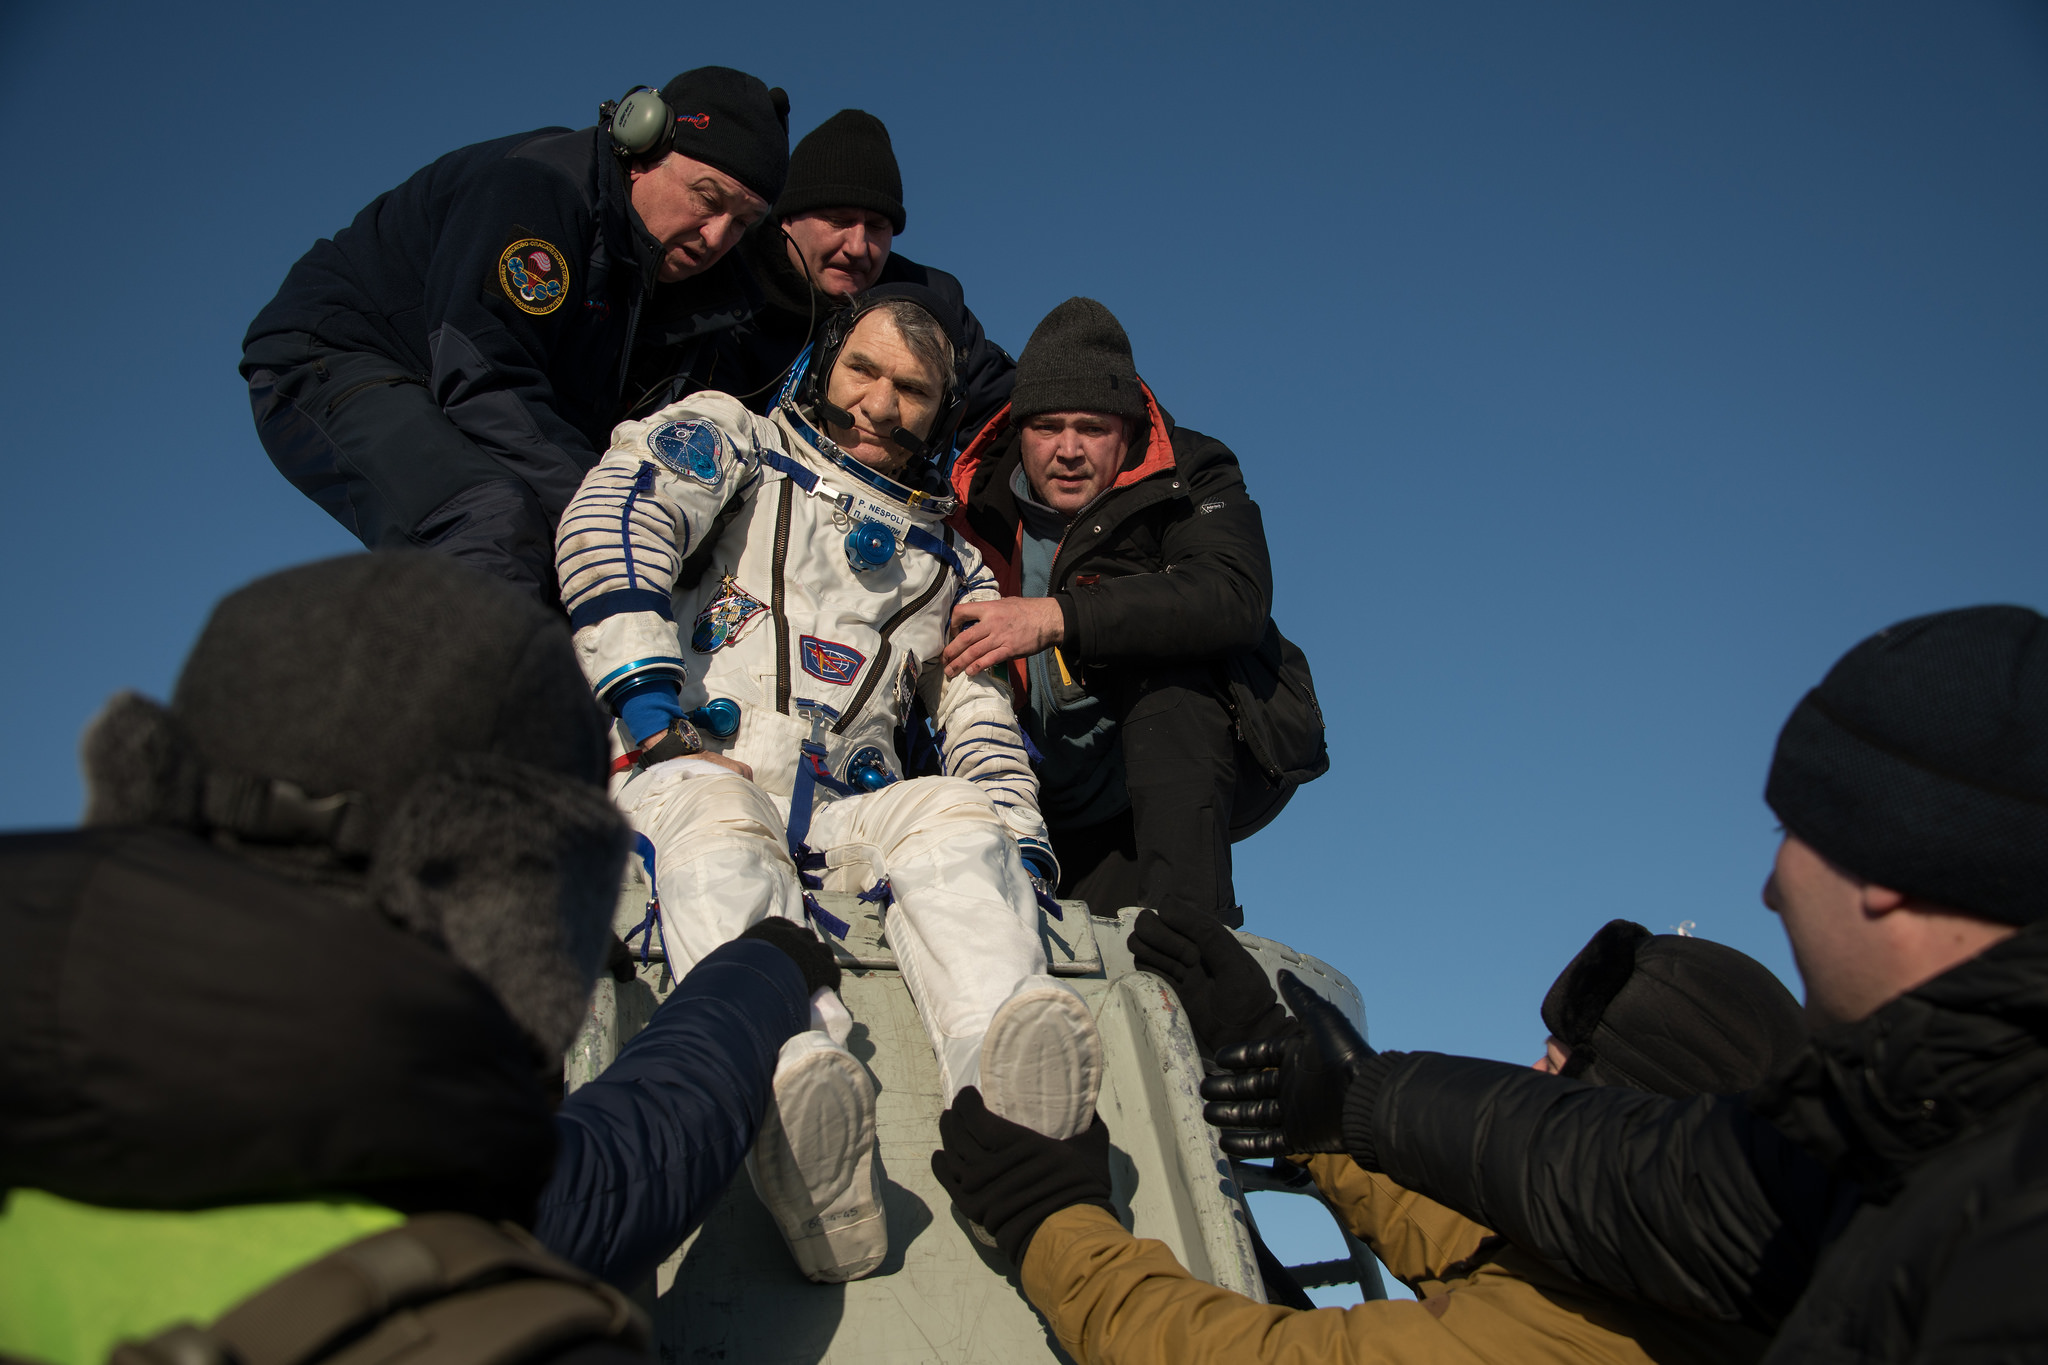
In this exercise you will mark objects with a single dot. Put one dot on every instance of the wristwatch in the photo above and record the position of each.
(679, 740)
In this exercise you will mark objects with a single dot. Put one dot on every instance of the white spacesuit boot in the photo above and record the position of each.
(720, 865)
(1040, 1064)
(813, 1164)
(964, 929)
(1041, 1059)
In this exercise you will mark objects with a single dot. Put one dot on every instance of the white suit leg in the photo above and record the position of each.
(964, 926)
(721, 863)
(720, 860)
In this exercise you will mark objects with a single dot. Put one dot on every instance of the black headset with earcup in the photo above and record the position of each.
(641, 124)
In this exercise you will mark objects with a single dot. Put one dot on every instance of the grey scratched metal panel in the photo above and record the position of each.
(1111, 931)
(1180, 1189)
(1069, 942)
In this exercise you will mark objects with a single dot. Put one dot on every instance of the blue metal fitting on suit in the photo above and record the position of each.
(869, 546)
(867, 770)
(720, 717)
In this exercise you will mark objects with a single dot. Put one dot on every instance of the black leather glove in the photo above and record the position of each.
(1220, 985)
(813, 959)
(1009, 1179)
(1289, 1091)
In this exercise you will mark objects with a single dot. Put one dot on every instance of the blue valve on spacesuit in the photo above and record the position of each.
(869, 546)
(867, 771)
(720, 717)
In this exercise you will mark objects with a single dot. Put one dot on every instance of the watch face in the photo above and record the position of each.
(680, 740)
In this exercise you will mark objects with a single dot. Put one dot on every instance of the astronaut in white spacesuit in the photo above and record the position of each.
(805, 558)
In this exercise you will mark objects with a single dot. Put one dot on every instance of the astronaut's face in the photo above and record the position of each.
(884, 385)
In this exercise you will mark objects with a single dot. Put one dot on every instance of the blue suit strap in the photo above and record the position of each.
(793, 470)
(621, 602)
(936, 547)
(650, 925)
(803, 791)
(810, 768)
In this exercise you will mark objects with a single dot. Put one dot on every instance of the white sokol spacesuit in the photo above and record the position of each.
(823, 660)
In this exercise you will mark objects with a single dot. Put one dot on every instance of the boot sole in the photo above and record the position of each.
(1041, 1061)
(814, 1167)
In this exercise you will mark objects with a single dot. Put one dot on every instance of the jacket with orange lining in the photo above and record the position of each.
(1168, 566)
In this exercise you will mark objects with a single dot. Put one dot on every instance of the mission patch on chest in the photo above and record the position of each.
(534, 275)
(830, 662)
(725, 617)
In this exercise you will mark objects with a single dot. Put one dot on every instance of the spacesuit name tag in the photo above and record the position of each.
(858, 508)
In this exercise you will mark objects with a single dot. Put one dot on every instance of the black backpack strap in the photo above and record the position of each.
(445, 1289)
(1272, 700)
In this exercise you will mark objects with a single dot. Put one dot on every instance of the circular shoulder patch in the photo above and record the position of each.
(688, 448)
(534, 275)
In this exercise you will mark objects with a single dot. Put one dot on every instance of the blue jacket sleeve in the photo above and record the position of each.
(647, 1146)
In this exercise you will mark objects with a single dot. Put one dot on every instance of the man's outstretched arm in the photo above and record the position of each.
(1694, 1205)
(1698, 1205)
(646, 1147)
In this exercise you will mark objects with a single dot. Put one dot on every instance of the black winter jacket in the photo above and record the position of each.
(1168, 566)
(1886, 1199)
(428, 276)
(186, 1029)
(749, 361)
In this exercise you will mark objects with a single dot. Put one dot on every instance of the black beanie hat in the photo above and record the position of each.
(364, 673)
(1920, 763)
(1078, 360)
(844, 162)
(730, 120)
(1672, 1015)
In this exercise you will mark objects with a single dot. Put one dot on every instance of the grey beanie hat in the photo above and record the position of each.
(403, 726)
(361, 674)
(1078, 360)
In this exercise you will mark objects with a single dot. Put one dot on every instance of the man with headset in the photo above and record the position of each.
(832, 234)
(806, 558)
(443, 371)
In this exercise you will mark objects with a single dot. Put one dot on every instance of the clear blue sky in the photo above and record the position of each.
(1604, 371)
